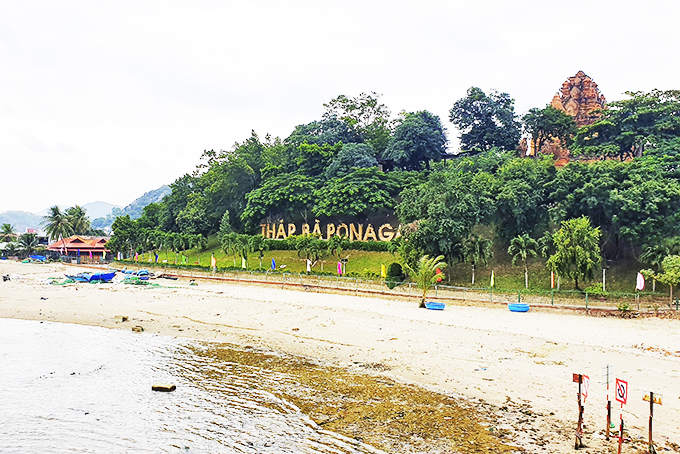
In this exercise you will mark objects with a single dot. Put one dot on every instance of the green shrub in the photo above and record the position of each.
(596, 290)
(395, 275)
(623, 308)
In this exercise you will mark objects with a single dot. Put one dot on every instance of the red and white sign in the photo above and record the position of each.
(585, 386)
(621, 391)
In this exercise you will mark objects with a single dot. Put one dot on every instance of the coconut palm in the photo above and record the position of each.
(654, 254)
(477, 250)
(425, 273)
(200, 243)
(28, 242)
(80, 223)
(521, 248)
(7, 233)
(57, 224)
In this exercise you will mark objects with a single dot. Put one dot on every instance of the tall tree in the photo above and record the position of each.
(577, 246)
(418, 139)
(521, 248)
(547, 123)
(57, 224)
(78, 219)
(365, 116)
(359, 193)
(28, 242)
(477, 251)
(671, 273)
(626, 129)
(351, 157)
(486, 121)
(7, 233)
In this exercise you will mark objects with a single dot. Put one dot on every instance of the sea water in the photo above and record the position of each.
(71, 388)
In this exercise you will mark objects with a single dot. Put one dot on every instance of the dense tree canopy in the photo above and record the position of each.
(418, 139)
(626, 129)
(328, 170)
(543, 124)
(486, 121)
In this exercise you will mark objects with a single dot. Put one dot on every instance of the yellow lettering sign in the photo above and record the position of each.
(330, 230)
(385, 232)
(342, 228)
(370, 233)
(355, 233)
(281, 233)
(317, 229)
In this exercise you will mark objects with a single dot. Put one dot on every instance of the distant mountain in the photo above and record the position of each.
(102, 214)
(135, 208)
(99, 209)
(21, 220)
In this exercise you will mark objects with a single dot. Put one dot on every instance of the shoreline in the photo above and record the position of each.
(520, 361)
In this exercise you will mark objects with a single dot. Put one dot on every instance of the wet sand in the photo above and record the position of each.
(520, 364)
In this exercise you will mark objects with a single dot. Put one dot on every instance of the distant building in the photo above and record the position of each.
(84, 249)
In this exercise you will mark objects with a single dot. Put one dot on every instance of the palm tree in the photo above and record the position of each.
(28, 242)
(425, 273)
(521, 247)
(57, 224)
(80, 223)
(654, 254)
(200, 242)
(477, 250)
(7, 233)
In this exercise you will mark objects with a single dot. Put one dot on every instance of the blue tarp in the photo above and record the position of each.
(40, 258)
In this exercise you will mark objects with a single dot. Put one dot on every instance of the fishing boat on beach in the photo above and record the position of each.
(92, 277)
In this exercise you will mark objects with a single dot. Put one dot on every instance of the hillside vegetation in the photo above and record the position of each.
(616, 206)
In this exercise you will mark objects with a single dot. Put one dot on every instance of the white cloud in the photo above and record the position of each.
(131, 93)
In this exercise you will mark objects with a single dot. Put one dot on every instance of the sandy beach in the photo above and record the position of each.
(522, 361)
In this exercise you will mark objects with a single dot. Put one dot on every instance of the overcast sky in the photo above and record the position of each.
(108, 100)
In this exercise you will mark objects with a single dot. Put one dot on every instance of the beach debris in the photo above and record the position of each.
(163, 387)
(121, 318)
(137, 329)
(43, 297)
(5, 277)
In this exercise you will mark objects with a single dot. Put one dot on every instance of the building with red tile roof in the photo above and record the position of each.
(88, 248)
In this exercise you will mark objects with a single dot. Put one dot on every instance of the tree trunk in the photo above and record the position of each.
(576, 282)
(653, 285)
(473, 274)
(526, 278)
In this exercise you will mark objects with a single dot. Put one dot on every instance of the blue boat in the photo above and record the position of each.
(81, 277)
(102, 277)
(518, 307)
(435, 306)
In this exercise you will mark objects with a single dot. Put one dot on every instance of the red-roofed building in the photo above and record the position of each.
(86, 249)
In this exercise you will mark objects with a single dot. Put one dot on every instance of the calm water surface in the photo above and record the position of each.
(71, 388)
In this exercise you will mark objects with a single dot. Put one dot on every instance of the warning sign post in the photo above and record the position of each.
(621, 396)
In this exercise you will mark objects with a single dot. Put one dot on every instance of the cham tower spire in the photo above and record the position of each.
(579, 97)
